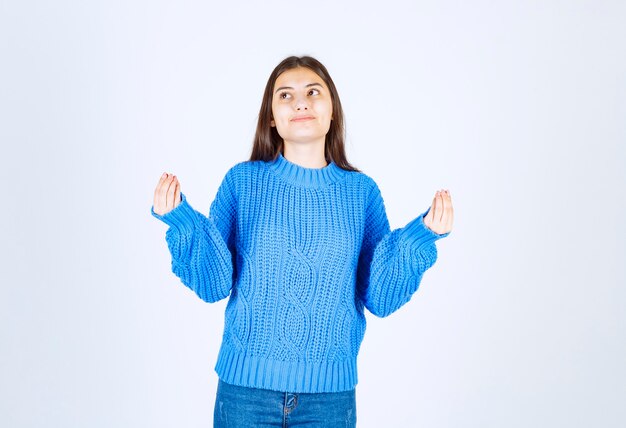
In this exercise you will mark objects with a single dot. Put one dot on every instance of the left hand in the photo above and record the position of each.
(441, 215)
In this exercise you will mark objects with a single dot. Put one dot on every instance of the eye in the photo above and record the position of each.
(314, 90)
(280, 95)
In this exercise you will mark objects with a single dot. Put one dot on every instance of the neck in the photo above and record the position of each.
(308, 155)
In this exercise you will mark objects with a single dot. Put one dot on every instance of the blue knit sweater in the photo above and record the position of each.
(299, 252)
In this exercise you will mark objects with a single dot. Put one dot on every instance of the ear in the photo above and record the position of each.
(272, 123)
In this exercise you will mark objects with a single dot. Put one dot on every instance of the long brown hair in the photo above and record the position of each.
(268, 143)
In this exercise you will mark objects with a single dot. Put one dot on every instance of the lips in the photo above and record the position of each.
(302, 118)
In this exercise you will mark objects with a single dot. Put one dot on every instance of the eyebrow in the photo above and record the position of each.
(289, 87)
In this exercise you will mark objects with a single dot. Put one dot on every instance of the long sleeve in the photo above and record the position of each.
(203, 248)
(391, 263)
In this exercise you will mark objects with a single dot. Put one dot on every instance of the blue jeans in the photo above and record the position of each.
(239, 406)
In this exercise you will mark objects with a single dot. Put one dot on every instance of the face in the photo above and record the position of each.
(301, 106)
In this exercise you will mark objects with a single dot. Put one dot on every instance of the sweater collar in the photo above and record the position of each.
(307, 177)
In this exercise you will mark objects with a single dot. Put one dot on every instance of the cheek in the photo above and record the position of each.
(327, 108)
(278, 113)
(281, 120)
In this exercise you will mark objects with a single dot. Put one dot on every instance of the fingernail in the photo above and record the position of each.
(164, 175)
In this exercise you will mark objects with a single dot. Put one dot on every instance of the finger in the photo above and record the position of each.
(451, 219)
(158, 186)
(442, 206)
(177, 194)
(170, 193)
(437, 215)
(451, 216)
(165, 187)
(448, 212)
(445, 203)
(159, 197)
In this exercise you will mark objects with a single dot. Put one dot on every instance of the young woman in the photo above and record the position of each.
(299, 241)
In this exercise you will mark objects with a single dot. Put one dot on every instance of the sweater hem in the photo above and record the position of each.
(418, 235)
(181, 217)
(286, 376)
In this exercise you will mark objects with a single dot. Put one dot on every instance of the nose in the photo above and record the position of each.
(301, 103)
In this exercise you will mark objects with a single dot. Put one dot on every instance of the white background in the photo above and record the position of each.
(517, 107)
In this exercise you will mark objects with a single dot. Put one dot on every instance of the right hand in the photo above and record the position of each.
(166, 194)
(441, 215)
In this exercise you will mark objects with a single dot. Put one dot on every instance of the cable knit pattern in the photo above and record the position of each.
(300, 251)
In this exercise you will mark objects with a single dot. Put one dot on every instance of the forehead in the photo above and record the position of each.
(298, 77)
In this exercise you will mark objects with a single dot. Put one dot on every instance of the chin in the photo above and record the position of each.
(304, 138)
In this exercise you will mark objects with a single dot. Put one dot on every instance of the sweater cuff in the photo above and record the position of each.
(417, 234)
(183, 217)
